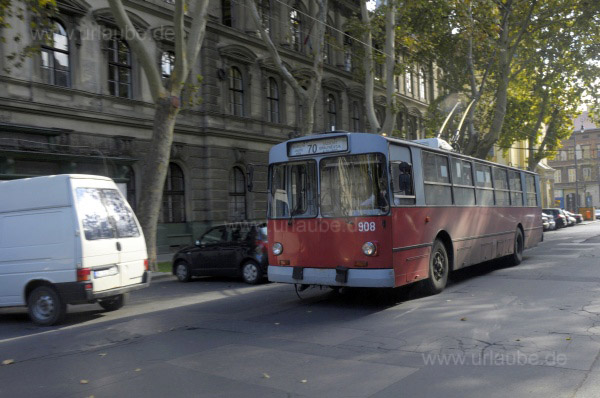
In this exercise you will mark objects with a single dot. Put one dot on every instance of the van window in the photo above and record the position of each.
(120, 214)
(104, 214)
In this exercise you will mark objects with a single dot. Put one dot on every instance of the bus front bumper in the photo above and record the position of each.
(333, 277)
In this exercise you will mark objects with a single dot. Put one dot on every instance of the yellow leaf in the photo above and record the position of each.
(138, 370)
(568, 338)
(83, 381)
(8, 361)
(266, 376)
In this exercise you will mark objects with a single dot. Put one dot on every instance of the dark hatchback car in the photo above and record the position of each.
(225, 250)
(560, 218)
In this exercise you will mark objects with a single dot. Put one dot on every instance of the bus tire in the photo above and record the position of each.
(517, 256)
(439, 268)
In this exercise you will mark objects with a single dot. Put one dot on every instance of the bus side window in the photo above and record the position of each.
(402, 182)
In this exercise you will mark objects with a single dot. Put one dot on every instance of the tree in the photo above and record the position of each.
(526, 63)
(368, 65)
(41, 11)
(166, 94)
(306, 89)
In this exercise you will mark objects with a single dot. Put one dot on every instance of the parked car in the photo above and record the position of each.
(572, 218)
(68, 239)
(545, 222)
(236, 250)
(560, 218)
(597, 214)
(551, 222)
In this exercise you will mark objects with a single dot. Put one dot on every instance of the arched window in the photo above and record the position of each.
(347, 52)
(55, 57)
(331, 113)
(236, 92)
(119, 68)
(408, 89)
(399, 122)
(296, 26)
(237, 195)
(273, 100)
(131, 198)
(167, 64)
(228, 12)
(329, 50)
(173, 209)
(379, 115)
(422, 84)
(355, 116)
(264, 9)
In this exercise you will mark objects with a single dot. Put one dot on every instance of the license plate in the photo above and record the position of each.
(106, 272)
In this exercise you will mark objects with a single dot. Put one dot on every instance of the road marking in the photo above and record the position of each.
(154, 306)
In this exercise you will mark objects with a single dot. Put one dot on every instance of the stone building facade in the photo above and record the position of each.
(83, 104)
(585, 144)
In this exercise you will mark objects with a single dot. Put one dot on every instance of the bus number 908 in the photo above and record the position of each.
(366, 226)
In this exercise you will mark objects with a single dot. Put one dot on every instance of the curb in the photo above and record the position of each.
(160, 275)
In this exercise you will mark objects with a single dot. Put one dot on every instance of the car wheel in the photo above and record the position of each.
(45, 306)
(251, 273)
(439, 269)
(517, 256)
(113, 303)
(182, 271)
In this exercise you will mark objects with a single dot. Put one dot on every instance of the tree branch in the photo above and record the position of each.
(288, 77)
(181, 57)
(196, 37)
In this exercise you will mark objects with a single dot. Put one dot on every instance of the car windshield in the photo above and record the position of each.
(354, 185)
(293, 190)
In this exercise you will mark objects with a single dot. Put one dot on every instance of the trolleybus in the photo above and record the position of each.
(364, 210)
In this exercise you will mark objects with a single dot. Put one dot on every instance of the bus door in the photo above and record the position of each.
(409, 262)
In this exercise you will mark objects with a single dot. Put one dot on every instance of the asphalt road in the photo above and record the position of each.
(497, 331)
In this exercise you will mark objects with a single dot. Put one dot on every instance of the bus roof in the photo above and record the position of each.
(369, 142)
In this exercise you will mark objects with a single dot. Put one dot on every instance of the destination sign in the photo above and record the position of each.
(314, 147)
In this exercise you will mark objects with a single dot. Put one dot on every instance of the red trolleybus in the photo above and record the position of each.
(353, 209)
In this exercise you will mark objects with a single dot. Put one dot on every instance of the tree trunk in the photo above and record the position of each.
(390, 64)
(156, 164)
(368, 66)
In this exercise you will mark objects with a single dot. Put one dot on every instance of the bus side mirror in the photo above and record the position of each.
(250, 177)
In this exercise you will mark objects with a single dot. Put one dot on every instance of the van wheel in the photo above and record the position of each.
(251, 273)
(45, 306)
(113, 303)
(517, 256)
(182, 271)
(438, 269)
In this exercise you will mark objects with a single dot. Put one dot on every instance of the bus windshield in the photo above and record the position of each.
(354, 185)
(293, 190)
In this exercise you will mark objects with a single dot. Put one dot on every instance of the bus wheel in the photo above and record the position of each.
(438, 269)
(517, 256)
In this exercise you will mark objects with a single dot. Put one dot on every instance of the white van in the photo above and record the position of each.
(68, 239)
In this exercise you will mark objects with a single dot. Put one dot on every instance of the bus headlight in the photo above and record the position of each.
(369, 248)
(277, 248)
